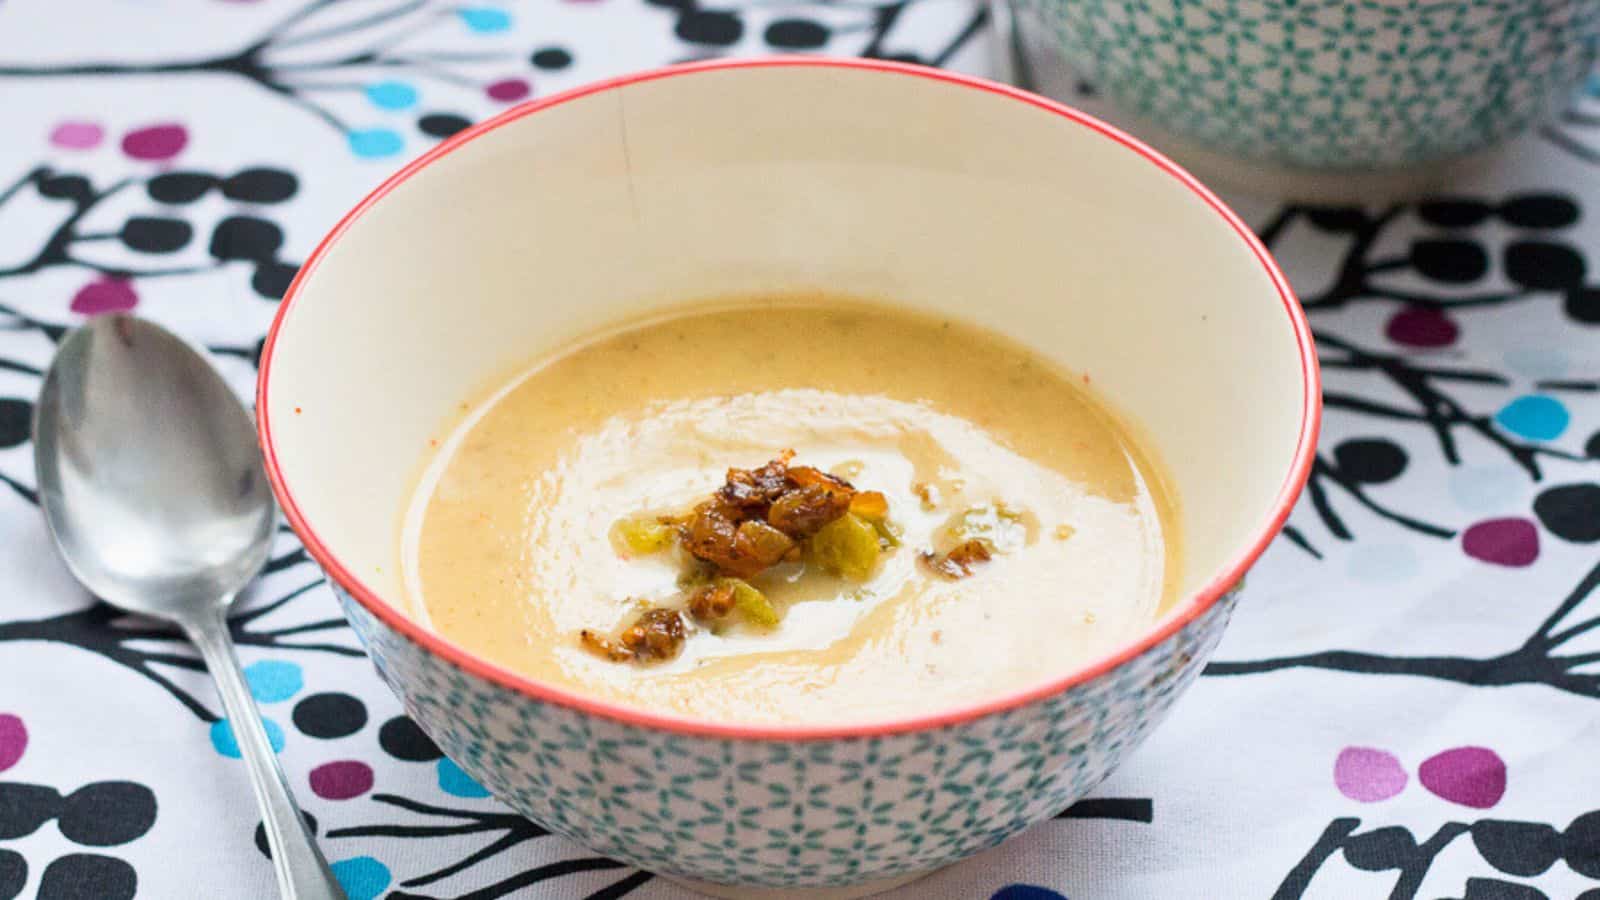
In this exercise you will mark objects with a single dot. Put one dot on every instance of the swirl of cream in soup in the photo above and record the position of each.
(507, 546)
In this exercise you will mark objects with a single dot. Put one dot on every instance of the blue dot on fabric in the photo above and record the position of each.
(1384, 563)
(1538, 362)
(1535, 417)
(1487, 489)
(362, 877)
(1027, 892)
(375, 142)
(1591, 86)
(485, 19)
(391, 94)
(272, 681)
(457, 783)
(226, 744)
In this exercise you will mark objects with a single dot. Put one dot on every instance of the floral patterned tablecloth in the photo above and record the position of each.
(1407, 704)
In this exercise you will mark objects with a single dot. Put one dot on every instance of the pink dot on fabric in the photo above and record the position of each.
(155, 142)
(1470, 776)
(341, 780)
(1510, 542)
(1419, 327)
(13, 740)
(77, 135)
(104, 295)
(1367, 775)
(507, 90)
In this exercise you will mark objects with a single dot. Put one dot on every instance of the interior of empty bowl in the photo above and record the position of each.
(909, 187)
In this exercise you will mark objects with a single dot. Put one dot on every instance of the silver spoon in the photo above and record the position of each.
(150, 479)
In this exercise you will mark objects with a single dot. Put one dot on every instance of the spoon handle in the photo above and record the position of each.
(303, 873)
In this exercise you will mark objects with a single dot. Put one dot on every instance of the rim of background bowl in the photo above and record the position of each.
(1219, 584)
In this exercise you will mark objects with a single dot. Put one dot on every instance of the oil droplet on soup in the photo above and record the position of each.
(509, 546)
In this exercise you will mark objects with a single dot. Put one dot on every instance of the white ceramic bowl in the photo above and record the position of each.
(931, 190)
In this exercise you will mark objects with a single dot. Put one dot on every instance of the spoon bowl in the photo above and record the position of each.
(151, 482)
(149, 472)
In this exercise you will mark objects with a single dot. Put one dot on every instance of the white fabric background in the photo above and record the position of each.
(1241, 779)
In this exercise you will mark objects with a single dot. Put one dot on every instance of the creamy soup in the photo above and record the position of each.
(511, 546)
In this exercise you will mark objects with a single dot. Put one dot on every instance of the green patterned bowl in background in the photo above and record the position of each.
(959, 197)
(1325, 97)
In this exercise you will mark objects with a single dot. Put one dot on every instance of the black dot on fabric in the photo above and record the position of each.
(107, 813)
(1338, 218)
(88, 876)
(706, 27)
(1583, 305)
(1454, 262)
(1370, 460)
(402, 739)
(24, 807)
(260, 185)
(1376, 850)
(261, 833)
(1580, 845)
(1570, 511)
(796, 34)
(442, 125)
(13, 874)
(179, 187)
(1453, 212)
(1523, 849)
(65, 187)
(246, 237)
(1495, 889)
(148, 234)
(551, 58)
(271, 279)
(1591, 447)
(330, 715)
(16, 420)
(1539, 211)
(1541, 265)
(1590, 894)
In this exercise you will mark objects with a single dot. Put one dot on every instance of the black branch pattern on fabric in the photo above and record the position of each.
(145, 647)
(244, 237)
(293, 58)
(509, 830)
(718, 26)
(1537, 660)
(1539, 268)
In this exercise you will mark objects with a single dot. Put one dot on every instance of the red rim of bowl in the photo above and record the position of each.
(1203, 600)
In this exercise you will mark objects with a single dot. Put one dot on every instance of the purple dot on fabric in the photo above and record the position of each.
(1417, 327)
(1504, 542)
(1367, 775)
(1470, 776)
(77, 135)
(105, 295)
(13, 740)
(508, 90)
(156, 142)
(341, 780)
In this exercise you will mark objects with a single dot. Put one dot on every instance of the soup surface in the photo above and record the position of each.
(510, 546)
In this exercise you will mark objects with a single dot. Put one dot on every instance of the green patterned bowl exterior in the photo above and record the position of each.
(788, 813)
(1329, 84)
